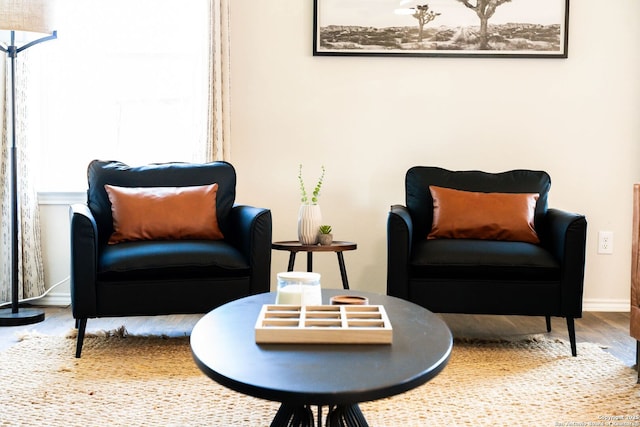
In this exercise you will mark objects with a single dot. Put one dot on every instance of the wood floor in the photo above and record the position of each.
(610, 330)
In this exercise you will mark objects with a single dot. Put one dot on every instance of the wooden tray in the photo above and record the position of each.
(323, 324)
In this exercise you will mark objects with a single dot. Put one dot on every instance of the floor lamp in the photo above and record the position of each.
(31, 16)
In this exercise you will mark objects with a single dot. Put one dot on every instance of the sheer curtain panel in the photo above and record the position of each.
(219, 144)
(30, 264)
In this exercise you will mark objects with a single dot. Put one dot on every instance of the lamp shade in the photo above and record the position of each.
(27, 15)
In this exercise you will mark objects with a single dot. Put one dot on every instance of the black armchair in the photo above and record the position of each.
(457, 271)
(152, 271)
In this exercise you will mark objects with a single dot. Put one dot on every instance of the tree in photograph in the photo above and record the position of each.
(424, 16)
(485, 10)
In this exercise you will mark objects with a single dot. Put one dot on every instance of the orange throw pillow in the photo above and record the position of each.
(461, 214)
(163, 213)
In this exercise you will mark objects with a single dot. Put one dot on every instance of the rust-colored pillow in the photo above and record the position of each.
(461, 214)
(163, 213)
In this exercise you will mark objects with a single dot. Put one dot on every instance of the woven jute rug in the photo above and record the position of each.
(152, 381)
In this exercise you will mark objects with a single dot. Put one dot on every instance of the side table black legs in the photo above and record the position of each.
(302, 416)
(343, 270)
(338, 247)
(292, 261)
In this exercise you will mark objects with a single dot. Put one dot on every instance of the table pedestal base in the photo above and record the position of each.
(302, 416)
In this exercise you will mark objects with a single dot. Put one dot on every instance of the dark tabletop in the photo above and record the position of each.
(224, 348)
(296, 246)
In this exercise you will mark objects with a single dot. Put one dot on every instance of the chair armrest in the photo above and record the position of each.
(84, 261)
(566, 239)
(250, 232)
(399, 242)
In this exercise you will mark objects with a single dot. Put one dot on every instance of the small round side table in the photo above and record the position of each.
(294, 246)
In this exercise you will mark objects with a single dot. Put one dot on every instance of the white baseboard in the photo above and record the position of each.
(606, 305)
(55, 299)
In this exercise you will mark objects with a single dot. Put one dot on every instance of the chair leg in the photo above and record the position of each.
(548, 319)
(82, 325)
(572, 336)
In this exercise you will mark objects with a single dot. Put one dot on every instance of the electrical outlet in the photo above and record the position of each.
(605, 242)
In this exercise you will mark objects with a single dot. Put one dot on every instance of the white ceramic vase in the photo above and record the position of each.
(309, 221)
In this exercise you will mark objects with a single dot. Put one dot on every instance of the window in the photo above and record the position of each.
(125, 80)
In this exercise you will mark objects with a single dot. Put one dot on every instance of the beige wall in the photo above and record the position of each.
(369, 119)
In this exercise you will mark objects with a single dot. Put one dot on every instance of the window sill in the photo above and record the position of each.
(61, 197)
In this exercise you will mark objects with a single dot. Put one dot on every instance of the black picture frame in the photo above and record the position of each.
(451, 28)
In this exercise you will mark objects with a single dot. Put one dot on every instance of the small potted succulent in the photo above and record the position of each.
(325, 237)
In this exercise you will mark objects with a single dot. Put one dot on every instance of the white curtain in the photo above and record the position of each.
(30, 265)
(218, 146)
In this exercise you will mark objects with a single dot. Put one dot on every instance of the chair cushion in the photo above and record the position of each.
(476, 215)
(174, 258)
(101, 173)
(163, 213)
(482, 260)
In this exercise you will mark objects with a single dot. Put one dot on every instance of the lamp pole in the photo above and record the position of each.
(14, 316)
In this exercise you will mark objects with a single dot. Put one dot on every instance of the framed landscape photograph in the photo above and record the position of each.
(445, 28)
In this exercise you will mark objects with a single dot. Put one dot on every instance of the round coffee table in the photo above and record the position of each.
(304, 375)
